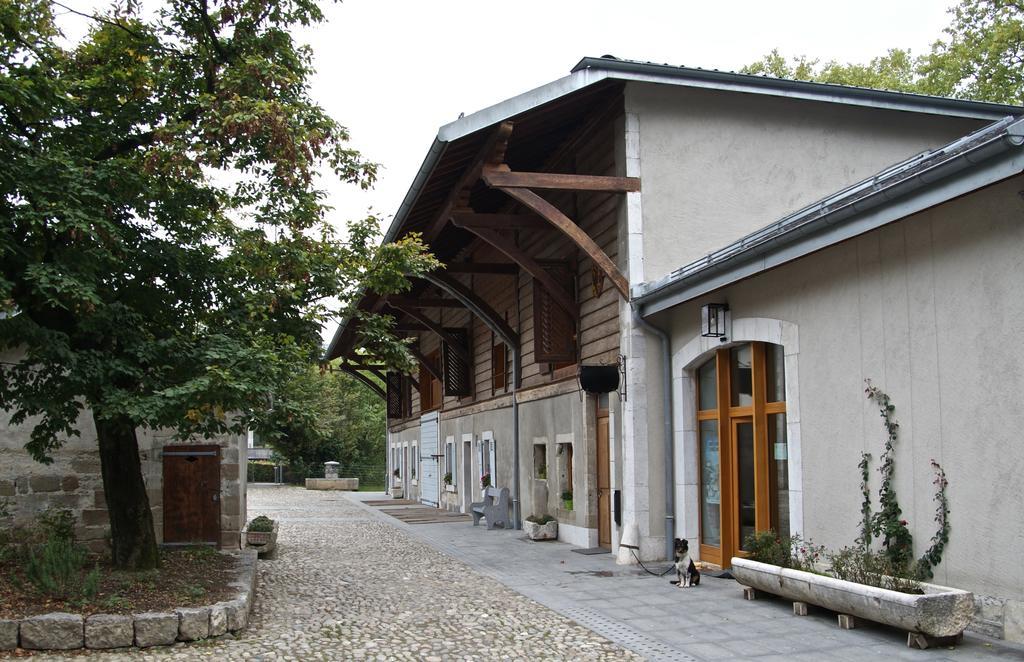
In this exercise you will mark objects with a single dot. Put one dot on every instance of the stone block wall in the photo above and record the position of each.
(74, 481)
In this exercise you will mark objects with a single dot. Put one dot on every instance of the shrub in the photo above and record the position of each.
(785, 551)
(55, 569)
(855, 564)
(57, 523)
(261, 524)
(485, 480)
(540, 519)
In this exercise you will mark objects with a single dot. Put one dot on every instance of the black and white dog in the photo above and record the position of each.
(686, 571)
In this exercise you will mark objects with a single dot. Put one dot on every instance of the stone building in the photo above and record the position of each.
(838, 234)
(204, 502)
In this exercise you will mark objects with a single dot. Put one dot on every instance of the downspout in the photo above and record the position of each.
(516, 521)
(666, 390)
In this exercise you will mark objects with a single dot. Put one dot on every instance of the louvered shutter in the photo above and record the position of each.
(393, 383)
(554, 329)
(455, 369)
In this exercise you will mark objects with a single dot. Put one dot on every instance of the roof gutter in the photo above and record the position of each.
(834, 220)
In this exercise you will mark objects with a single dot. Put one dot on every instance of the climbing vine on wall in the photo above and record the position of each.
(864, 540)
(888, 523)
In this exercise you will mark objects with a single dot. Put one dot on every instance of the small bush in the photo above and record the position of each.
(261, 524)
(870, 568)
(567, 495)
(540, 519)
(57, 524)
(56, 570)
(785, 551)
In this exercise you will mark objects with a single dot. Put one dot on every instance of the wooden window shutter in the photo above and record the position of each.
(499, 365)
(455, 369)
(554, 329)
(394, 383)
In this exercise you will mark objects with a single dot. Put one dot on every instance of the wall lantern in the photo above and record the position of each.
(714, 320)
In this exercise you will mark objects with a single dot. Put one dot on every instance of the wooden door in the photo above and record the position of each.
(604, 483)
(191, 507)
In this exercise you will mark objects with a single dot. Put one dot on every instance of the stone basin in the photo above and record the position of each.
(940, 612)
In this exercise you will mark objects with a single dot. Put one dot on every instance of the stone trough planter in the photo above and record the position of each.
(60, 631)
(940, 613)
(536, 531)
(264, 542)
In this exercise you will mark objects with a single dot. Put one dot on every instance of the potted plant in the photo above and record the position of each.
(261, 535)
(567, 499)
(542, 472)
(448, 482)
(485, 481)
(541, 527)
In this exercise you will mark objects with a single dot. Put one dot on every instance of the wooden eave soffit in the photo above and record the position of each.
(431, 325)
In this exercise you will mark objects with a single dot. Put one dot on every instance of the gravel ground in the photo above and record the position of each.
(347, 585)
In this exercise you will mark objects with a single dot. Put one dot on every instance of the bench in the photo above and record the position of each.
(494, 508)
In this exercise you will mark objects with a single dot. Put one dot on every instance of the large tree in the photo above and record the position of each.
(981, 57)
(164, 255)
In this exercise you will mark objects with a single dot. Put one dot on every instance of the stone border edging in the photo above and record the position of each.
(62, 631)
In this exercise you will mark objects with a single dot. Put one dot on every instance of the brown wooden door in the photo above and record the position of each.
(191, 494)
(604, 483)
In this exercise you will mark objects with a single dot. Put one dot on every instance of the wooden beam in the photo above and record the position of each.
(409, 326)
(475, 304)
(373, 386)
(499, 178)
(425, 302)
(574, 232)
(364, 366)
(499, 221)
(433, 369)
(514, 253)
(497, 268)
(491, 153)
(439, 330)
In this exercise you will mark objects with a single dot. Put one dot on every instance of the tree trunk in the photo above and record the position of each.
(131, 521)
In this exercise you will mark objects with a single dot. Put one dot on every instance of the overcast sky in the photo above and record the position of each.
(394, 72)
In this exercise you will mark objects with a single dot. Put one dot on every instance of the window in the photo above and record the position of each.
(430, 386)
(451, 462)
(741, 428)
(564, 458)
(554, 328)
(499, 365)
(540, 460)
(415, 464)
(488, 466)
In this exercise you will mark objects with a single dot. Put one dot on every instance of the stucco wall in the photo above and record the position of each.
(74, 482)
(930, 310)
(717, 165)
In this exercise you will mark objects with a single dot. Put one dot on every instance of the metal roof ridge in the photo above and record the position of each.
(614, 64)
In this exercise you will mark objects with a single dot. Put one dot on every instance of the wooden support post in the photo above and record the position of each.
(924, 641)
(847, 622)
(749, 593)
(799, 608)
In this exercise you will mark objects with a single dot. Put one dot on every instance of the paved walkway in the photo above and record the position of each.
(351, 583)
(651, 617)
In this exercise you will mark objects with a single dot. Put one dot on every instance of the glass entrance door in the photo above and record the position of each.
(742, 444)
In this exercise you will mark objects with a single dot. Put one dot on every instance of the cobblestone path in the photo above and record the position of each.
(347, 585)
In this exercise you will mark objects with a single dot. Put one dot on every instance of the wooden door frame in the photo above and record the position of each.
(728, 417)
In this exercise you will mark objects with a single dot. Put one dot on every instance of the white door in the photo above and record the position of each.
(430, 485)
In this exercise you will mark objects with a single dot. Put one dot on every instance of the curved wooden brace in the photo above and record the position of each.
(439, 330)
(476, 305)
(555, 217)
(556, 289)
(426, 363)
(373, 386)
